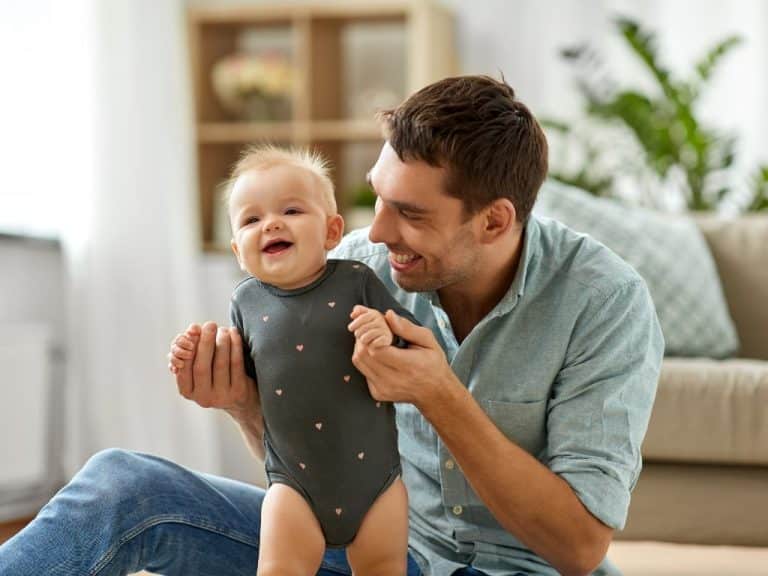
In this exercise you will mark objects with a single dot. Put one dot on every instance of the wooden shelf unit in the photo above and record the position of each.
(315, 33)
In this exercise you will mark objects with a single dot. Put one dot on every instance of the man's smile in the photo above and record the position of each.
(401, 262)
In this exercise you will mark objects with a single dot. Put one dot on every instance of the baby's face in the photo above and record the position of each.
(282, 226)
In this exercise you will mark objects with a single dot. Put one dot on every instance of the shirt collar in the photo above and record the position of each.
(530, 249)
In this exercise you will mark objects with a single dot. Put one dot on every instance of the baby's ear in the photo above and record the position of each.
(236, 251)
(335, 230)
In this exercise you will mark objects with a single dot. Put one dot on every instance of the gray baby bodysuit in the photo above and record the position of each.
(325, 436)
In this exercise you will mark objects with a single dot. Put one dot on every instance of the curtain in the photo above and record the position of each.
(131, 241)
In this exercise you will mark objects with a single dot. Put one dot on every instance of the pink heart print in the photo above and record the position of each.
(361, 455)
(279, 391)
(347, 378)
(331, 304)
(299, 347)
(302, 465)
(338, 511)
(265, 318)
(319, 425)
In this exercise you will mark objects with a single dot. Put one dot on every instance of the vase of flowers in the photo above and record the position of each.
(254, 87)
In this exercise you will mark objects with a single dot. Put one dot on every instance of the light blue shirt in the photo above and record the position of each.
(565, 365)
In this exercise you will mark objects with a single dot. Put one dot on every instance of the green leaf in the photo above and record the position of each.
(759, 202)
(649, 124)
(555, 125)
(711, 59)
(600, 186)
(664, 121)
(643, 44)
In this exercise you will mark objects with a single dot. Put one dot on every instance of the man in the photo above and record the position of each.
(523, 399)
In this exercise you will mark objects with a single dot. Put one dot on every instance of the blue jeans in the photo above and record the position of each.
(125, 512)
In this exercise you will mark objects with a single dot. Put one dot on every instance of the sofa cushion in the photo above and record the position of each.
(671, 255)
(740, 249)
(710, 411)
(700, 504)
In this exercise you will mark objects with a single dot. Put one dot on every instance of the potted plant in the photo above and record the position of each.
(657, 133)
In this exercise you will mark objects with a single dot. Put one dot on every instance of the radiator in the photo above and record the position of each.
(25, 410)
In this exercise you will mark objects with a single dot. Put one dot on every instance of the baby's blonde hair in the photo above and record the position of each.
(265, 156)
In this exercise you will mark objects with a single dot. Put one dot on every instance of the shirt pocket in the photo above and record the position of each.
(524, 423)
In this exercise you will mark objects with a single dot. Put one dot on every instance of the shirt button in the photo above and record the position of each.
(450, 464)
(441, 322)
(458, 510)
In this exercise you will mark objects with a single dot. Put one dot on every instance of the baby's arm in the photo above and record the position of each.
(370, 327)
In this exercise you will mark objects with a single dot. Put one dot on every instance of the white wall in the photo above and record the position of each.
(31, 292)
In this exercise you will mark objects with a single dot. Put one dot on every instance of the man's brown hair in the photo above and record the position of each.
(473, 126)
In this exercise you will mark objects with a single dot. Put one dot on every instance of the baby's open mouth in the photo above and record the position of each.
(277, 246)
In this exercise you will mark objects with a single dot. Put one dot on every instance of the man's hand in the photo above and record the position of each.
(209, 369)
(414, 374)
(370, 327)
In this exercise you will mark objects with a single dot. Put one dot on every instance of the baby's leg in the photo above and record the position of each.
(291, 541)
(381, 545)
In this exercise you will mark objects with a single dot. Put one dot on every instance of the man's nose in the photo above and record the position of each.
(381, 229)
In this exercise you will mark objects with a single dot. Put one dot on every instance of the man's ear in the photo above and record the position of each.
(498, 218)
(335, 230)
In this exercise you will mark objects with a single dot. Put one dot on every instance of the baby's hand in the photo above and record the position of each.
(370, 327)
(183, 349)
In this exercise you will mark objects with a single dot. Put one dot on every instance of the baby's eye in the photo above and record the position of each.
(250, 220)
(292, 211)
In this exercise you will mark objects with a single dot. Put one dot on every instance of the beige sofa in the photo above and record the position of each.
(705, 473)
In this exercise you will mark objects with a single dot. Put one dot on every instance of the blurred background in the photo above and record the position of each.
(119, 118)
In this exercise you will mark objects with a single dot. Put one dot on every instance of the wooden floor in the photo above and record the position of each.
(661, 559)
(8, 529)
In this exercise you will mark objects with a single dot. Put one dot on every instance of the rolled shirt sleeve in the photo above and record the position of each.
(602, 398)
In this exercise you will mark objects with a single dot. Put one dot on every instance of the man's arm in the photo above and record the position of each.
(252, 432)
(216, 378)
(525, 497)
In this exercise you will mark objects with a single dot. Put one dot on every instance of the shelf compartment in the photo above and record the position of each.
(264, 47)
(350, 161)
(227, 132)
(355, 66)
(348, 59)
(234, 132)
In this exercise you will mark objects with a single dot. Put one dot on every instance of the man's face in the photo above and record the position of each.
(432, 244)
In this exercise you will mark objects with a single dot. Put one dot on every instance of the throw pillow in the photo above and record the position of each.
(740, 249)
(671, 255)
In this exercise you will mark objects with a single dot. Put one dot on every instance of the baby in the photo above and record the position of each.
(331, 449)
